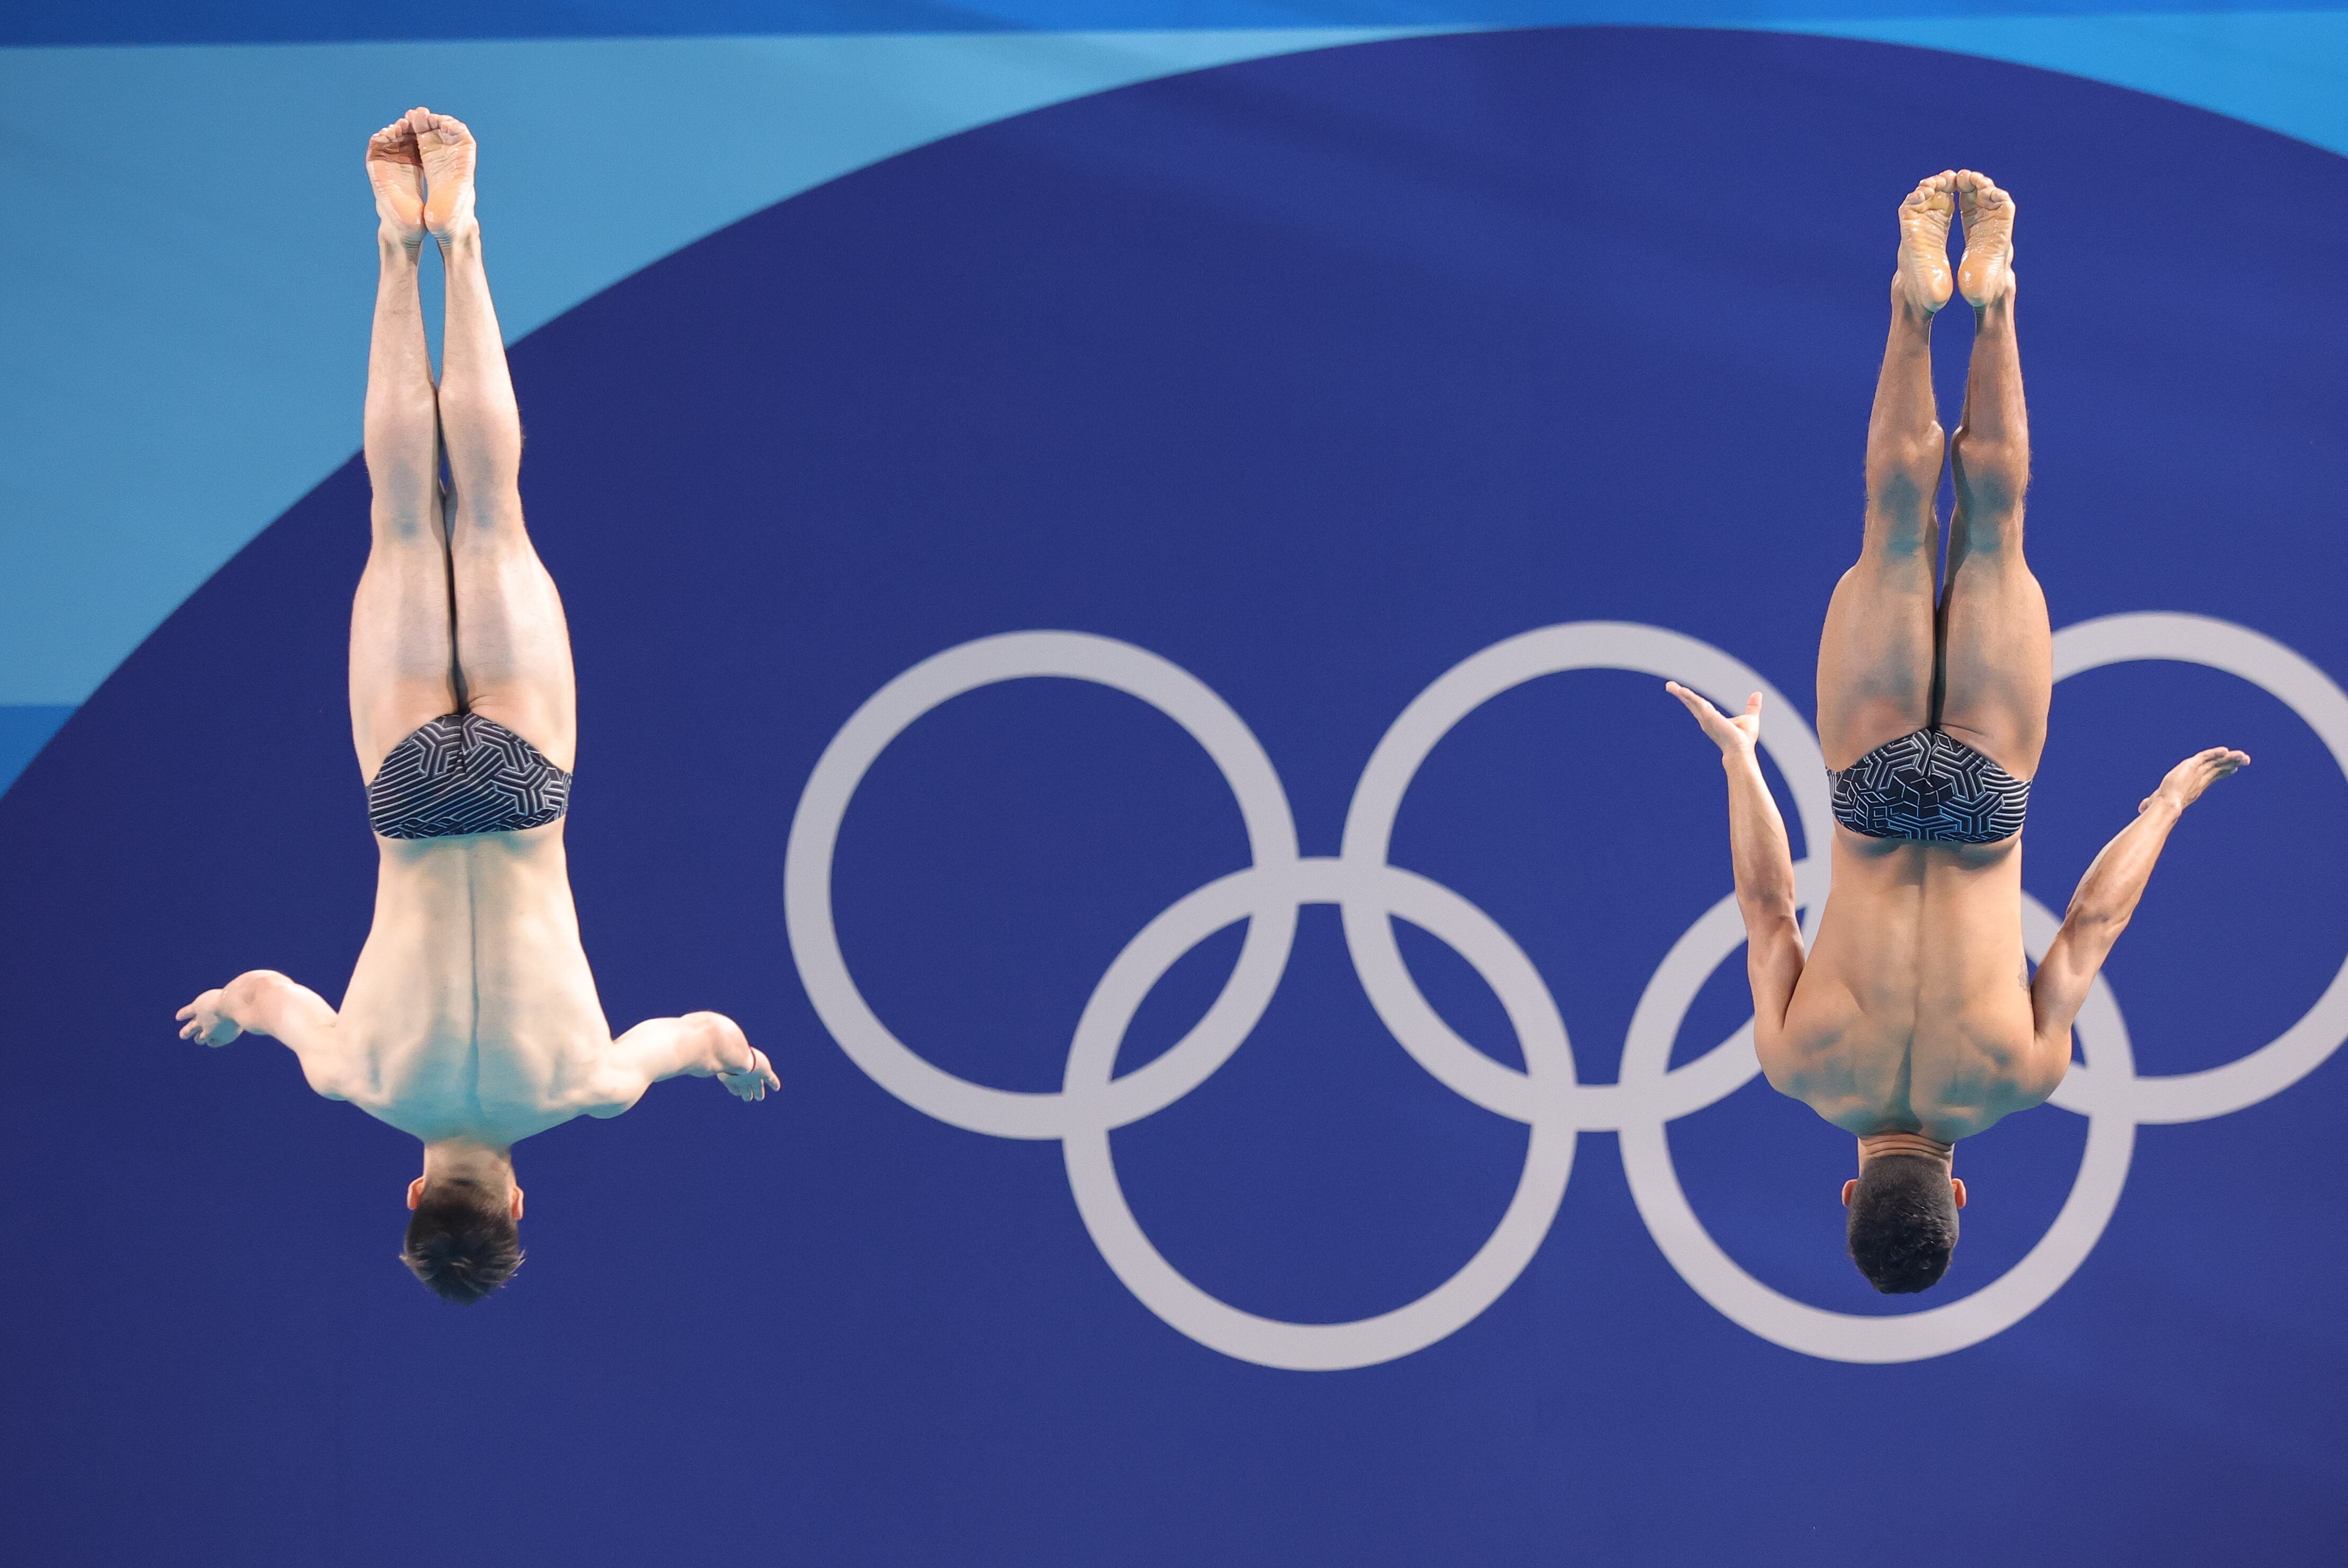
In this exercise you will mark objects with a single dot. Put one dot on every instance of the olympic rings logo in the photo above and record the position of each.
(1370, 894)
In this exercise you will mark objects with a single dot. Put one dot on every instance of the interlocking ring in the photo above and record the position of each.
(1370, 894)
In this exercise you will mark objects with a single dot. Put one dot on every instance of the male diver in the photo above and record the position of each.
(471, 1020)
(1915, 1021)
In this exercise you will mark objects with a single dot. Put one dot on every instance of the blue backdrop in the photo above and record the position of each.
(1314, 376)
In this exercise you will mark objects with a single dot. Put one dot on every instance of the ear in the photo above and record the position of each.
(517, 1202)
(414, 1192)
(1852, 1186)
(1958, 1183)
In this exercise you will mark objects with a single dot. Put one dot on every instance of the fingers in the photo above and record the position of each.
(752, 1081)
(187, 1012)
(1688, 699)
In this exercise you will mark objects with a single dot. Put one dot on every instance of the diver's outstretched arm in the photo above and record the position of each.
(2107, 897)
(698, 1045)
(263, 1001)
(1764, 861)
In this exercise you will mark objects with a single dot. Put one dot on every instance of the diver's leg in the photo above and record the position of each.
(402, 653)
(513, 647)
(1996, 650)
(1875, 656)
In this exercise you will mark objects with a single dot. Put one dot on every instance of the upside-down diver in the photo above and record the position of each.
(1915, 1020)
(471, 1020)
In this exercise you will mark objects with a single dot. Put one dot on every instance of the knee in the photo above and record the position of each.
(1993, 470)
(486, 517)
(402, 521)
(1903, 473)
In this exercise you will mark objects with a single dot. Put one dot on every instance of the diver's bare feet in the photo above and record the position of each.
(396, 168)
(1987, 271)
(447, 150)
(1923, 277)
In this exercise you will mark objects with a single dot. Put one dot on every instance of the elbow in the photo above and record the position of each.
(2053, 1064)
(2097, 922)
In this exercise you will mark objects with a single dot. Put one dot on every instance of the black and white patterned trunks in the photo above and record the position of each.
(1929, 785)
(462, 773)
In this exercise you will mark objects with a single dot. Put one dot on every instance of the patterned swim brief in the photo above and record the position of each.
(461, 774)
(1929, 785)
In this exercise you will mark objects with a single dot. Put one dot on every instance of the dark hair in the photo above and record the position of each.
(1903, 1222)
(462, 1240)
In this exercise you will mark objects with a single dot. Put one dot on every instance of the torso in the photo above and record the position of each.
(472, 1012)
(1914, 1012)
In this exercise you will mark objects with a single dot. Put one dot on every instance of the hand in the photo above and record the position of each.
(1734, 736)
(205, 1021)
(753, 1081)
(2196, 773)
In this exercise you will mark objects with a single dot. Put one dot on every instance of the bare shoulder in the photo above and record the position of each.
(1818, 1022)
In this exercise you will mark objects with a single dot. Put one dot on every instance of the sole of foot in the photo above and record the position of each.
(1986, 273)
(1924, 217)
(449, 152)
(396, 168)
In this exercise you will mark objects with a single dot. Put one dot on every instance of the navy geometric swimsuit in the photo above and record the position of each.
(460, 774)
(1929, 785)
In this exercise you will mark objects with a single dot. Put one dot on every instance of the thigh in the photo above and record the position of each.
(513, 646)
(1875, 656)
(1997, 656)
(402, 664)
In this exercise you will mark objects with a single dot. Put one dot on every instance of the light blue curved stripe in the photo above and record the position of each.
(188, 260)
(189, 254)
(2284, 70)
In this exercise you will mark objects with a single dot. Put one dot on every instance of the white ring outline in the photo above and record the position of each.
(1386, 778)
(1257, 892)
(1829, 1336)
(1092, 1101)
(2284, 675)
(884, 716)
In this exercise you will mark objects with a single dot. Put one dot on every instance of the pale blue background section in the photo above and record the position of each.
(2285, 70)
(185, 346)
(188, 260)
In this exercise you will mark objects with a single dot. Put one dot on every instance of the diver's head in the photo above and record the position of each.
(1903, 1211)
(463, 1236)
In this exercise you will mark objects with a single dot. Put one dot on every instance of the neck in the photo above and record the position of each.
(1874, 1143)
(467, 1159)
